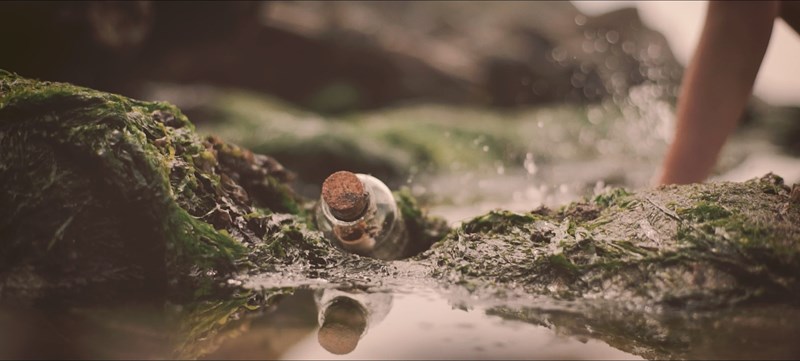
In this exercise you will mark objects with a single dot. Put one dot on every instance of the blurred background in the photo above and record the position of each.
(520, 104)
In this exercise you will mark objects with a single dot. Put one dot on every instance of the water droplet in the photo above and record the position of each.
(529, 164)
(580, 20)
(654, 51)
(600, 46)
(612, 36)
(559, 54)
(587, 46)
(628, 47)
(594, 115)
(577, 80)
(612, 62)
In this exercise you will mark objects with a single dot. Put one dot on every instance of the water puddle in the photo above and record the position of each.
(425, 325)
(325, 321)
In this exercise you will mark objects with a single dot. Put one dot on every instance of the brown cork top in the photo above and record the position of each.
(345, 195)
(338, 339)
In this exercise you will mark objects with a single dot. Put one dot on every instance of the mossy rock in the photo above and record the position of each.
(99, 188)
(396, 143)
(696, 246)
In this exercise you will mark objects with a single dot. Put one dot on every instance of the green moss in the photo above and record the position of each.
(285, 200)
(423, 230)
(129, 188)
(206, 248)
(710, 253)
(498, 221)
(704, 211)
(616, 196)
(394, 144)
(561, 264)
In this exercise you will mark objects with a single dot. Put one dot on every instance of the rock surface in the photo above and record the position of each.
(99, 189)
(688, 247)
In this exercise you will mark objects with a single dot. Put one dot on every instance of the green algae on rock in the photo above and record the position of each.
(100, 188)
(695, 246)
(395, 143)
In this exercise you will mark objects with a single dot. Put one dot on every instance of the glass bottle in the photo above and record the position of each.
(358, 213)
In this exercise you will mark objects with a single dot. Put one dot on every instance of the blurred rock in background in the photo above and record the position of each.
(396, 89)
(342, 56)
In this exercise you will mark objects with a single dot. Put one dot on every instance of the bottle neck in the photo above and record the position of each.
(331, 214)
(351, 215)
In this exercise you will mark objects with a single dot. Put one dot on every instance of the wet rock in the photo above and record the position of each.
(101, 190)
(119, 47)
(417, 141)
(698, 246)
(512, 54)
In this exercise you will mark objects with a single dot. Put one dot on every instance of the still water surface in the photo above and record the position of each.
(424, 325)
(326, 322)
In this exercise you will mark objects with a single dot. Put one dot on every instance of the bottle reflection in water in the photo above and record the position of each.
(358, 213)
(345, 317)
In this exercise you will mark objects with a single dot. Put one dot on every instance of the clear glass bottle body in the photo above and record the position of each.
(378, 233)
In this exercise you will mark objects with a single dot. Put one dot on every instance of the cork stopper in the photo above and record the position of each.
(345, 322)
(345, 196)
(338, 339)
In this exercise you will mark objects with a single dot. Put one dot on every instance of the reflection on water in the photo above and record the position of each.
(425, 325)
(358, 323)
(344, 317)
